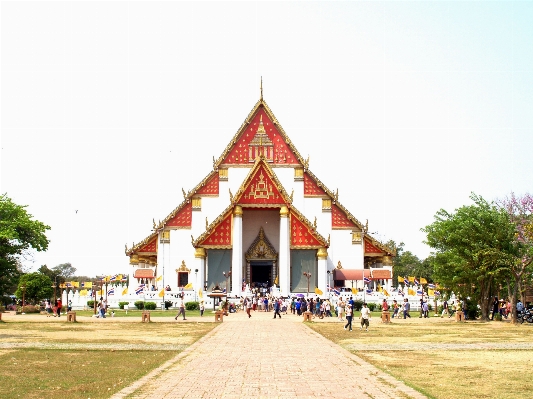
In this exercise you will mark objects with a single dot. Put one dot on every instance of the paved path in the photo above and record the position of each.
(265, 358)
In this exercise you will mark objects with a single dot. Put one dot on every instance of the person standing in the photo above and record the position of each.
(48, 307)
(406, 308)
(69, 305)
(495, 307)
(202, 308)
(395, 309)
(444, 308)
(59, 305)
(349, 313)
(181, 305)
(365, 317)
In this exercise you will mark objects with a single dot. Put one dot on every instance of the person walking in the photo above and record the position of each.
(277, 306)
(48, 307)
(365, 317)
(406, 308)
(395, 308)
(349, 313)
(181, 305)
(202, 308)
(59, 305)
(444, 308)
(248, 303)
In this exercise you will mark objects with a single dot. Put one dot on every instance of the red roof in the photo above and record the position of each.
(347, 274)
(381, 274)
(144, 273)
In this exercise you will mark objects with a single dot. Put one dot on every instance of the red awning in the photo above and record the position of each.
(347, 274)
(383, 274)
(144, 273)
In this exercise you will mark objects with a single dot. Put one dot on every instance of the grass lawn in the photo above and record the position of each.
(40, 364)
(444, 359)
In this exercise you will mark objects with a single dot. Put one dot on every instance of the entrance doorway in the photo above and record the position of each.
(261, 274)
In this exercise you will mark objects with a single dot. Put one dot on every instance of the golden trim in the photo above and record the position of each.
(357, 237)
(197, 204)
(200, 253)
(223, 174)
(165, 237)
(326, 204)
(237, 211)
(134, 259)
(284, 212)
(322, 253)
(309, 225)
(183, 268)
(298, 173)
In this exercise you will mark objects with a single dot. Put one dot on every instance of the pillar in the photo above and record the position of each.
(199, 263)
(284, 255)
(237, 254)
(322, 277)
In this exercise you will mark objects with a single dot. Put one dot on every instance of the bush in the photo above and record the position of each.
(357, 305)
(29, 309)
(168, 304)
(150, 305)
(371, 306)
(139, 305)
(90, 304)
(122, 304)
(192, 305)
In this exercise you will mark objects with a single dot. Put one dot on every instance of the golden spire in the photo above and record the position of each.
(261, 88)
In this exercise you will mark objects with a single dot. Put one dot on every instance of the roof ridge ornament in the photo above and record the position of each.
(261, 88)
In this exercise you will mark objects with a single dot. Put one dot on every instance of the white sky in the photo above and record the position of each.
(110, 108)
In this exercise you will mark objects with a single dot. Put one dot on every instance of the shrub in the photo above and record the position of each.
(150, 305)
(357, 305)
(139, 305)
(371, 306)
(122, 304)
(29, 309)
(168, 304)
(192, 305)
(90, 304)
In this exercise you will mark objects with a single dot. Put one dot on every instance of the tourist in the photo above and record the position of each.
(519, 306)
(181, 306)
(277, 305)
(451, 308)
(254, 303)
(508, 309)
(340, 309)
(202, 308)
(384, 305)
(265, 303)
(349, 313)
(293, 306)
(425, 309)
(59, 305)
(48, 307)
(248, 304)
(444, 308)
(101, 308)
(495, 307)
(69, 305)
(395, 308)
(327, 308)
(298, 306)
(406, 308)
(365, 317)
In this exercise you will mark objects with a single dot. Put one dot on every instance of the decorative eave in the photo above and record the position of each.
(260, 104)
(380, 245)
(210, 229)
(136, 247)
(312, 228)
(335, 198)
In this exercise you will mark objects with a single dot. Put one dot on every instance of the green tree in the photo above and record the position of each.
(474, 245)
(19, 235)
(38, 286)
(408, 264)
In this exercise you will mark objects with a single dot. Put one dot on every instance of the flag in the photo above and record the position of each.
(99, 293)
(188, 287)
(416, 281)
(405, 281)
(119, 277)
(411, 279)
(329, 288)
(88, 284)
(83, 293)
(431, 292)
(139, 289)
(75, 284)
(162, 293)
(336, 292)
(68, 285)
(243, 285)
(224, 290)
(400, 292)
(380, 288)
(113, 278)
(318, 291)
(400, 279)
(159, 278)
(62, 285)
(437, 293)
(124, 278)
(420, 292)
(386, 293)
(423, 280)
(276, 280)
(366, 280)
(432, 286)
(125, 291)
(369, 291)
(354, 290)
(111, 291)
(411, 292)
(200, 293)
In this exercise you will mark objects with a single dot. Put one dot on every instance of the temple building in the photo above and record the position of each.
(260, 218)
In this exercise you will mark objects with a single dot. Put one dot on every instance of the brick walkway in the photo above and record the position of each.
(265, 358)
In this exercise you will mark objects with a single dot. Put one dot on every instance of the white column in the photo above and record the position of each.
(284, 258)
(237, 255)
(322, 278)
(199, 263)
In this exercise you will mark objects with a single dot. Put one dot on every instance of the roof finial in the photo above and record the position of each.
(261, 88)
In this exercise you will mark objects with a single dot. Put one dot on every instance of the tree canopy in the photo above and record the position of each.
(37, 286)
(474, 245)
(19, 235)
